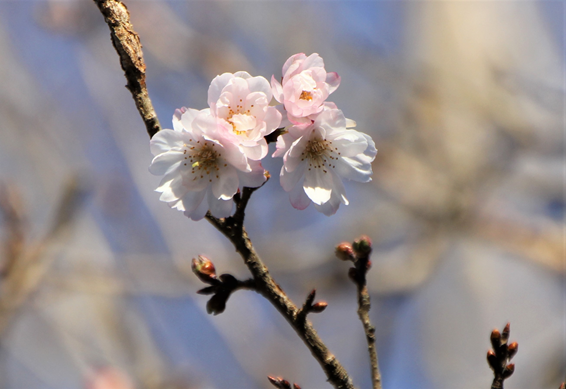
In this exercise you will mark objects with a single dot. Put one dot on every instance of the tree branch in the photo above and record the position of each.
(265, 285)
(128, 46)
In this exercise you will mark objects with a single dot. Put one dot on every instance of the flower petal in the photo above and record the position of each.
(164, 141)
(165, 162)
(226, 183)
(219, 207)
(318, 185)
(298, 197)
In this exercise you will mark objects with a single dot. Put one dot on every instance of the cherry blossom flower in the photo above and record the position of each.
(317, 156)
(304, 87)
(242, 102)
(202, 168)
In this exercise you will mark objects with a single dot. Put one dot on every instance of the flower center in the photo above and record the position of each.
(320, 154)
(203, 159)
(306, 95)
(241, 120)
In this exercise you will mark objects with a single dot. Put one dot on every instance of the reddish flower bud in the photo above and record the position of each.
(492, 360)
(204, 269)
(318, 307)
(345, 252)
(362, 246)
(512, 350)
(562, 386)
(495, 338)
(508, 371)
(295, 386)
(505, 333)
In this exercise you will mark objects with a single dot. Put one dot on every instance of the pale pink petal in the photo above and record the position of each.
(234, 155)
(313, 60)
(242, 74)
(283, 143)
(260, 84)
(272, 120)
(292, 65)
(177, 125)
(215, 88)
(298, 197)
(277, 89)
(333, 81)
(256, 152)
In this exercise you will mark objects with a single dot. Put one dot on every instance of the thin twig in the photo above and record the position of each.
(362, 250)
(127, 44)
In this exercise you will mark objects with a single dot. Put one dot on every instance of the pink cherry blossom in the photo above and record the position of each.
(304, 87)
(242, 102)
(202, 167)
(317, 156)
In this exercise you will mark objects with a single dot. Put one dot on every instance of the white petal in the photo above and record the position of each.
(190, 201)
(172, 190)
(254, 178)
(318, 185)
(226, 185)
(219, 207)
(164, 141)
(165, 162)
(330, 207)
(294, 157)
(199, 212)
(353, 169)
(289, 180)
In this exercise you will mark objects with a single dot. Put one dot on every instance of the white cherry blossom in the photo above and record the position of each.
(242, 102)
(317, 156)
(202, 168)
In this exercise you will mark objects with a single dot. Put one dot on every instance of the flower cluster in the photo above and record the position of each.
(211, 154)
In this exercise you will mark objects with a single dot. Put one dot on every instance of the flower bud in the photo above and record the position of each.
(492, 360)
(345, 252)
(508, 371)
(318, 307)
(512, 350)
(295, 386)
(505, 333)
(495, 339)
(362, 246)
(204, 269)
(563, 385)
